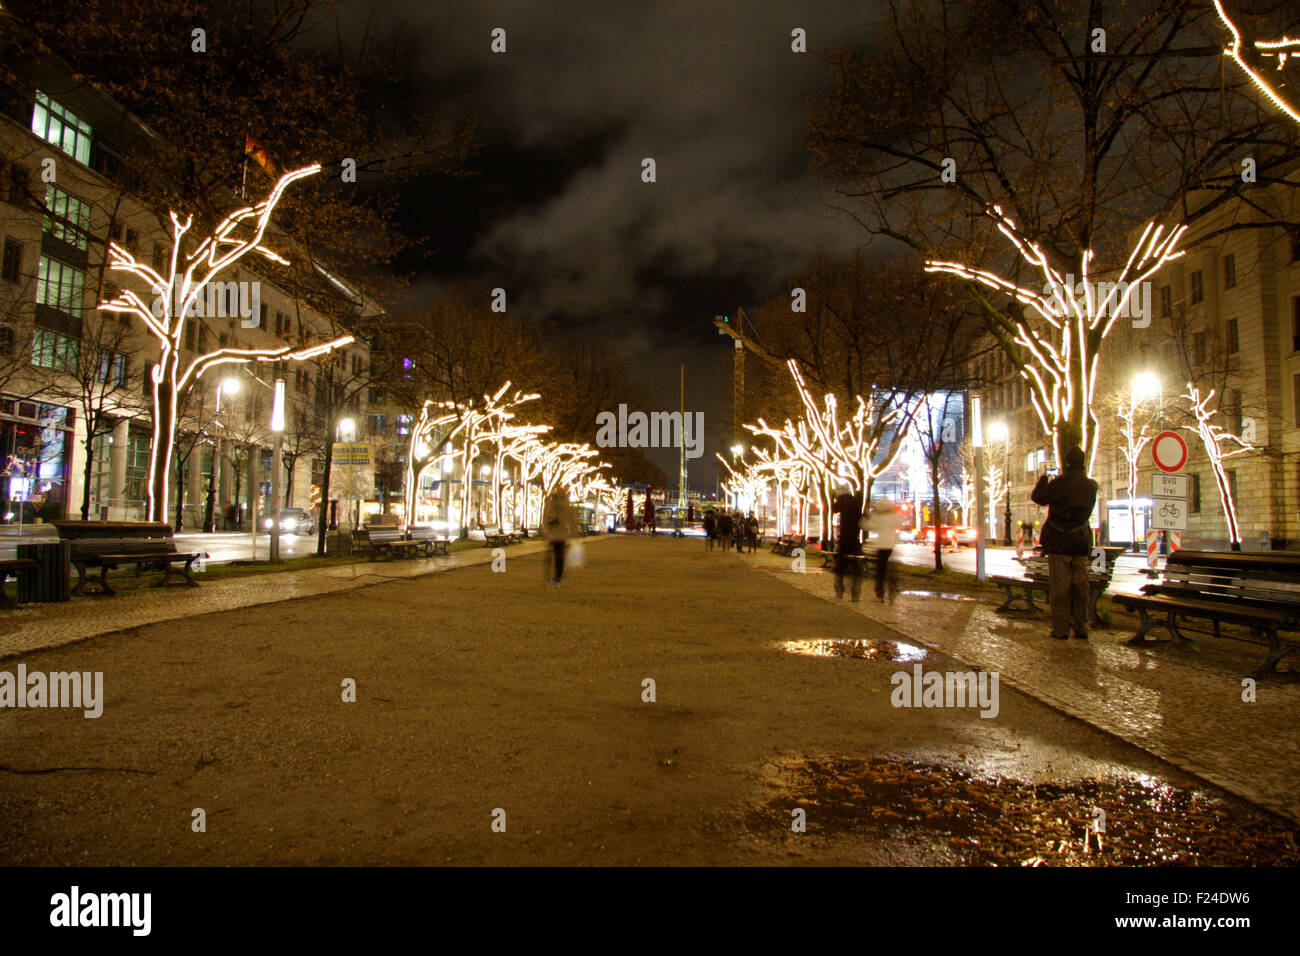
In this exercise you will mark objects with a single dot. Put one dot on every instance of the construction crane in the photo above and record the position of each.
(736, 329)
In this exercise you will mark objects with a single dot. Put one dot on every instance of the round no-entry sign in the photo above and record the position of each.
(1169, 451)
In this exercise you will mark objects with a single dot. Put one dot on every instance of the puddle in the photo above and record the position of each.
(869, 650)
(1000, 821)
(940, 594)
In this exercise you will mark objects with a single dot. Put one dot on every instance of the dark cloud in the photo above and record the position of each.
(711, 91)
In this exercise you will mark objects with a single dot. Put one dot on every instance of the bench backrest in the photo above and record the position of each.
(89, 538)
(425, 534)
(382, 535)
(1265, 579)
(1039, 566)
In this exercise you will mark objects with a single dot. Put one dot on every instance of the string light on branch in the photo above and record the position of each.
(239, 234)
(1281, 49)
(1076, 318)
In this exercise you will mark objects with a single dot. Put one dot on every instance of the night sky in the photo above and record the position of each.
(558, 214)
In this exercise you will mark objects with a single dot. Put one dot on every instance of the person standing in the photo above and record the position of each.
(559, 524)
(848, 543)
(725, 526)
(882, 521)
(710, 529)
(1067, 542)
(751, 532)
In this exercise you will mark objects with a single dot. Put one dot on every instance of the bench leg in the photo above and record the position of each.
(189, 578)
(81, 580)
(103, 581)
(1027, 597)
(5, 600)
(1277, 650)
(1169, 625)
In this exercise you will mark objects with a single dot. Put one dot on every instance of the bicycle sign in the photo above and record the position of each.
(1169, 514)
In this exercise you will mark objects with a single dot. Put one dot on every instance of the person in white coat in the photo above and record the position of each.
(881, 524)
(559, 524)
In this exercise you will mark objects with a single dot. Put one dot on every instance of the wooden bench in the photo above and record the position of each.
(107, 545)
(429, 541)
(786, 544)
(8, 567)
(386, 543)
(495, 537)
(1036, 579)
(1258, 591)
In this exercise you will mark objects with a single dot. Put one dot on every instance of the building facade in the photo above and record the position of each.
(75, 392)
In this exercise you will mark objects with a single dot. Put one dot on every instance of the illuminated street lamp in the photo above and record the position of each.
(229, 386)
(277, 465)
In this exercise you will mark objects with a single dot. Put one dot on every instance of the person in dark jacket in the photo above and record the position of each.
(848, 543)
(1067, 542)
(751, 532)
(710, 529)
(724, 531)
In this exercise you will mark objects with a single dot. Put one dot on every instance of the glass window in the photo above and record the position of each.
(1229, 271)
(1198, 287)
(52, 350)
(1233, 341)
(67, 217)
(137, 465)
(61, 127)
(60, 286)
(112, 368)
(11, 268)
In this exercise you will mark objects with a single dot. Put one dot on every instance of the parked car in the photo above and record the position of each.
(293, 521)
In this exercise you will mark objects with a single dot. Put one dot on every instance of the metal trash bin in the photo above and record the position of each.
(50, 580)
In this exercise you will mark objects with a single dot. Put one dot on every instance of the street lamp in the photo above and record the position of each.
(229, 386)
(277, 426)
(998, 431)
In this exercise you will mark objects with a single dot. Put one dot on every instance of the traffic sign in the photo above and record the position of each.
(1169, 514)
(1169, 451)
(1168, 486)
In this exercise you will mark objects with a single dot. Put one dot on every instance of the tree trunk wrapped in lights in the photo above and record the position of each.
(177, 295)
(1220, 445)
(1135, 441)
(856, 451)
(1058, 352)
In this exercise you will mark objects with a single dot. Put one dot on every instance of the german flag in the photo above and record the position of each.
(261, 156)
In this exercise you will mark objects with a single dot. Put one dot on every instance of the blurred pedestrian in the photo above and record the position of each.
(710, 529)
(882, 522)
(848, 545)
(751, 532)
(1067, 542)
(559, 524)
(725, 527)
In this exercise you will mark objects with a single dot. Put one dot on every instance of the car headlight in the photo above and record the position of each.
(267, 524)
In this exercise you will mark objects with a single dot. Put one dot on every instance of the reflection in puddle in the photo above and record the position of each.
(940, 594)
(869, 650)
(993, 820)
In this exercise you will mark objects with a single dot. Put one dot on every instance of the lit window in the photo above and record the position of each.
(59, 286)
(64, 129)
(67, 217)
(52, 350)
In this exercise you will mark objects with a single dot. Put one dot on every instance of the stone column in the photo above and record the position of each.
(117, 455)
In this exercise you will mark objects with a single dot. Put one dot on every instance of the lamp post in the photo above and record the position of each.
(977, 439)
(231, 387)
(1145, 385)
(998, 431)
(277, 466)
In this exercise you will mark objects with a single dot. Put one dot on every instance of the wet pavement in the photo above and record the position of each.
(479, 691)
(1182, 704)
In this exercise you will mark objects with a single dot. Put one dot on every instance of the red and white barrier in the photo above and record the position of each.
(1038, 535)
(1020, 542)
(1175, 541)
(1153, 547)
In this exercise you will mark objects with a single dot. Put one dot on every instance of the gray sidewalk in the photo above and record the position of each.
(1182, 705)
(36, 626)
